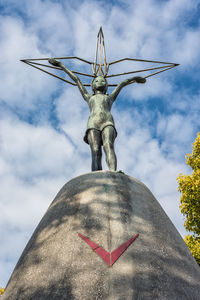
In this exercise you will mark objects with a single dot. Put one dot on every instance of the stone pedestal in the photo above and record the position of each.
(108, 208)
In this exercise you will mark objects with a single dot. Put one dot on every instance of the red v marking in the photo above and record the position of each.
(115, 254)
(109, 257)
(105, 255)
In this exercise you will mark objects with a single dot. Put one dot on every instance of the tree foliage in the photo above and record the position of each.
(1, 291)
(189, 186)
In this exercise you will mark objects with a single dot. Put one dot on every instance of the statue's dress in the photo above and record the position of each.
(100, 116)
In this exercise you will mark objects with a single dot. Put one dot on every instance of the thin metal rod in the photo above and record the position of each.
(95, 62)
(49, 73)
(131, 72)
(74, 84)
(161, 71)
(93, 70)
(107, 68)
(100, 54)
(104, 53)
(101, 32)
(168, 68)
(69, 57)
(66, 57)
(97, 69)
(84, 74)
(57, 68)
(143, 60)
(48, 66)
(111, 85)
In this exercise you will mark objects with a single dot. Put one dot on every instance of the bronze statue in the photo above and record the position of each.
(101, 127)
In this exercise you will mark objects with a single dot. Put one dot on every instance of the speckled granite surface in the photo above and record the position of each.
(109, 208)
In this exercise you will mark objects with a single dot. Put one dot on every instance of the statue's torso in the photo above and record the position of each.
(100, 116)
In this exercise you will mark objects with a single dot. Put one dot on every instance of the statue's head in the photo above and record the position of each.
(99, 83)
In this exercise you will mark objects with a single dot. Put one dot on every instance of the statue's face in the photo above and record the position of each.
(99, 84)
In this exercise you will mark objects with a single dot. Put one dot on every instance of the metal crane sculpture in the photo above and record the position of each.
(100, 128)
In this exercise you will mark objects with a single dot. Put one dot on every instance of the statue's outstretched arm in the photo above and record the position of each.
(75, 78)
(122, 84)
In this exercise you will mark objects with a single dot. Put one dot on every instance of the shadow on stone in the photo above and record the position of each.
(109, 208)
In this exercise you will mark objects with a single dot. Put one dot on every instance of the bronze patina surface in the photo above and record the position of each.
(100, 128)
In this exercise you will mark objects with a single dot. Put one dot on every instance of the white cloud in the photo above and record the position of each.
(72, 112)
(20, 85)
(177, 133)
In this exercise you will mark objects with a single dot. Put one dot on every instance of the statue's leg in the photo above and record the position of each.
(108, 137)
(94, 139)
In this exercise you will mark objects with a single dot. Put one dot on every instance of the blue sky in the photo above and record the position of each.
(42, 120)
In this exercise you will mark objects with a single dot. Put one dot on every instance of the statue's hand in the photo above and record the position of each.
(139, 79)
(54, 62)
